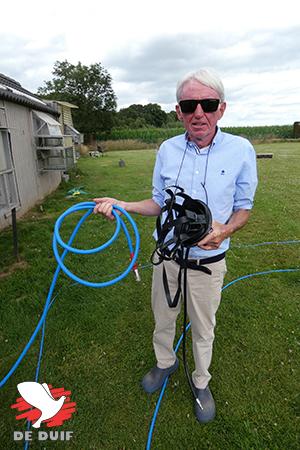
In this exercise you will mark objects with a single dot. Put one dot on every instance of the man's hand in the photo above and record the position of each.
(104, 206)
(214, 239)
(219, 231)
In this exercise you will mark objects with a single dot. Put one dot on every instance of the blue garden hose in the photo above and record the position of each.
(89, 206)
(68, 248)
(119, 223)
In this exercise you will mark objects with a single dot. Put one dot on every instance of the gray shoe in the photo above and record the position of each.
(208, 413)
(154, 379)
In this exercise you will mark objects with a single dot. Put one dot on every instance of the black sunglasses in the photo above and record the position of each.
(208, 105)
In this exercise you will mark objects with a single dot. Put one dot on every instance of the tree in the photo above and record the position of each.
(172, 120)
(137, 116)
(89, 88)
(154, 115)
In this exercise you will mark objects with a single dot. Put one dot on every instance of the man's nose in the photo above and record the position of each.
(199, 111)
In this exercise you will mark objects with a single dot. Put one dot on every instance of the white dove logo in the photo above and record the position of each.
(39, 396)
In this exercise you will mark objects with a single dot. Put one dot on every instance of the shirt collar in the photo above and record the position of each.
(198, 150)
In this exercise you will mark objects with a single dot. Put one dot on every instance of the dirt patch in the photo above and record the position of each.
(13, 267)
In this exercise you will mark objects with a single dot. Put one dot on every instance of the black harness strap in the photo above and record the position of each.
(189, 221)
(199, 264)
(172, 303)
(185, 263)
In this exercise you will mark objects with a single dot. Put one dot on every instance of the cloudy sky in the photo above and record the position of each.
(148, 46)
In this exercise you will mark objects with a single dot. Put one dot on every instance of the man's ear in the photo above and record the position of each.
(179, 113)
(222, 109)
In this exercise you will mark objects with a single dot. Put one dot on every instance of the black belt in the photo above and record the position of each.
(195, 264)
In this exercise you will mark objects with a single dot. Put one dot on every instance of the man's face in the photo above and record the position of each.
(200, 126)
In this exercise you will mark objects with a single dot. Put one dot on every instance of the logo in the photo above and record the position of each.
(42, 404)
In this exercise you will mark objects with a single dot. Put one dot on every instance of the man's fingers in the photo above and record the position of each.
(210, 242)
(103, 199)
(104, 206)
(206, 240)
(105, 209)
(209, 246)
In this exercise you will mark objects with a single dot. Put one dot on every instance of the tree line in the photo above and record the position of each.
(90, 88)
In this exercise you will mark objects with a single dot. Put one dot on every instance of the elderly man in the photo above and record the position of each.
(219, 169)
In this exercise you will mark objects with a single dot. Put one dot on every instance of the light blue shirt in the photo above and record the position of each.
(230, 181)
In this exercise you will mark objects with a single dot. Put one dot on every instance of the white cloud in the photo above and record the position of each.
(147, 46)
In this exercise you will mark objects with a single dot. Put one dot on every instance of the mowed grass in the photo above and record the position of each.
(98, 341)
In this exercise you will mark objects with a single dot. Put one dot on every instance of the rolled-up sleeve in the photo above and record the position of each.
(246, 182)
(157, 182)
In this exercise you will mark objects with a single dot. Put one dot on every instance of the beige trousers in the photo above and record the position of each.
(203, 299)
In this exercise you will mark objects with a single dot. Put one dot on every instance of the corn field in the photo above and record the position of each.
(156, 135)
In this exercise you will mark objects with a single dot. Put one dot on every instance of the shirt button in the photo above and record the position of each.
(197, 172)
(194, 191)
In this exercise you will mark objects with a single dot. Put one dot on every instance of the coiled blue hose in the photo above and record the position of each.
(119, 223)
(68, 248)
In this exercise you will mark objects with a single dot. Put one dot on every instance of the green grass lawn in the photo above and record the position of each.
(98, 341)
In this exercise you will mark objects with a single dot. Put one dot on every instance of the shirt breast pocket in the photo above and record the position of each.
(222, 185)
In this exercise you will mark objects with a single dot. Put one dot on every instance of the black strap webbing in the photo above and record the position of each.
(172, 303)
(184, 263)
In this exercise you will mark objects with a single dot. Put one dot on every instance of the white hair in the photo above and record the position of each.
(208, 77)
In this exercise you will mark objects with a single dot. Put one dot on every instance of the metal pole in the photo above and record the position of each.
(15, 234)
